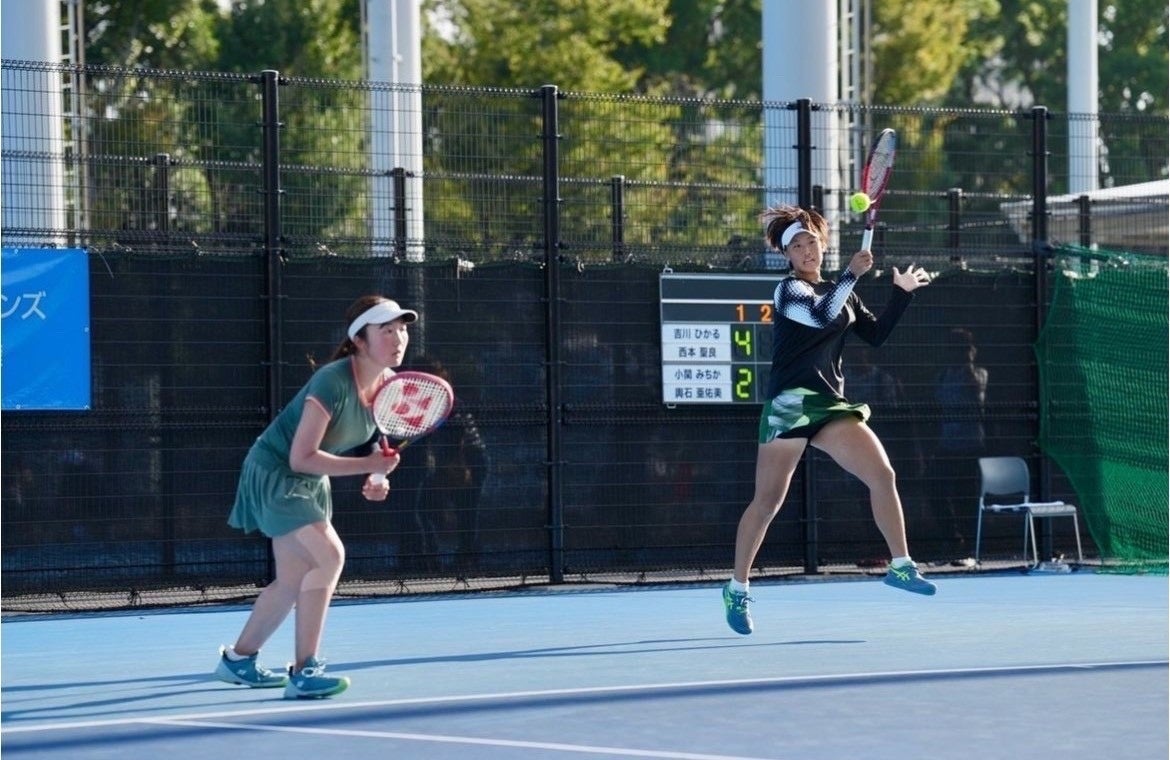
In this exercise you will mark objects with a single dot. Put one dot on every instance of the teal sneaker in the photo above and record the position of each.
(247, 672)
(310, 682)
(738, 615)
(909, 579)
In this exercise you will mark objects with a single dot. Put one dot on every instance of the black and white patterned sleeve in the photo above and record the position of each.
(796, 300)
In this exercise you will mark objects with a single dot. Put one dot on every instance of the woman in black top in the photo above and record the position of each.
(807, 397)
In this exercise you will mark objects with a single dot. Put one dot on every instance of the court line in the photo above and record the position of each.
(829, 679)
(449, 739)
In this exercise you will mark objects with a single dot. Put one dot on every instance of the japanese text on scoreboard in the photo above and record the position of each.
(716, 337)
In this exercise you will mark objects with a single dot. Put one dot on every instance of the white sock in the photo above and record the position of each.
(736, 586)
(901, 562)
(230, 653)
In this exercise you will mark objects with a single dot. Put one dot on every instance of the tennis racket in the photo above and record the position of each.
(409, 406)
(874, 178)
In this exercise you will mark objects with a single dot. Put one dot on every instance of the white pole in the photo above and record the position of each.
(800, 60)
(1083, 133)
(32, 120)
(394, 55)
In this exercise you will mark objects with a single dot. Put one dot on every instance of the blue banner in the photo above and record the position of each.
(44, 330)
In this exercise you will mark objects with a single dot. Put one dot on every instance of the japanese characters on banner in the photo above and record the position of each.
(44, 329)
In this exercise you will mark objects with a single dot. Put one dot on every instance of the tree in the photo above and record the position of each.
(919, 48)
(1025, 56)
(300, 38)
(712, 49)
(159, 34)
(570, 43)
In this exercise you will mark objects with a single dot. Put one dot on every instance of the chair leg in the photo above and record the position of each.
(1030, 532)
(1077, 533)
(978, 535)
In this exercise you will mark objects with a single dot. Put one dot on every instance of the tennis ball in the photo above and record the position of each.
(859, 202)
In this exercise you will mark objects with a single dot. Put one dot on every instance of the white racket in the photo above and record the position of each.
(409, 406)
(875, 177)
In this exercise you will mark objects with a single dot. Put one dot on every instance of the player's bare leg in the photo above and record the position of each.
(775, 463)
(853, 445)
(320, 547)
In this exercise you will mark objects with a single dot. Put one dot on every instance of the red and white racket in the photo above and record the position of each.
(409, 406)
(874, 178)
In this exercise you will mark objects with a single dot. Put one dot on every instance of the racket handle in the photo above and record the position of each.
(383, 445)
(867, 239)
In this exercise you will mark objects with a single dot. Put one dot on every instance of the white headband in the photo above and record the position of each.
(379, 314)
(790, 232)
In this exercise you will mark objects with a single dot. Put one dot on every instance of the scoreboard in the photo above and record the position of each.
(716, 337)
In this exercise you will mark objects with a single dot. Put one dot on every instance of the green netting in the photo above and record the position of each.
(1104, 380)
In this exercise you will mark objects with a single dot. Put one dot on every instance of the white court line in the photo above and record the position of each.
(447, 739)
(301, 706)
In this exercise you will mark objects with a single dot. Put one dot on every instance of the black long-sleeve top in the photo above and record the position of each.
(809, 328)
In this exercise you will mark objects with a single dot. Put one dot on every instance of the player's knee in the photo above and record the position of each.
(332, 560)
(882, 480)
(765, 507)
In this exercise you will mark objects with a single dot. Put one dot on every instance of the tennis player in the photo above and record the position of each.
(284, 492)
(807, 402)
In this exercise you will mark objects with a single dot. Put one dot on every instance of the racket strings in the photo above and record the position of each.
(880, 164)
(879, 172)
(407, 409)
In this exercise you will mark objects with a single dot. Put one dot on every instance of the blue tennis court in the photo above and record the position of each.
(994, 666)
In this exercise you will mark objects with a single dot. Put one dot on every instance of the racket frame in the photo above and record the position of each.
(445, 395)
(875, 193)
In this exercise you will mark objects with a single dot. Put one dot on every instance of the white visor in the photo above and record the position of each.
(790, 232)
(379, 314)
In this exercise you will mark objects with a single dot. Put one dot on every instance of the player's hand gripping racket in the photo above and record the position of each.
(409, 406)
(874, 178)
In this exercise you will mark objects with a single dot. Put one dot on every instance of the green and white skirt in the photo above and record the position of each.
(801, 413)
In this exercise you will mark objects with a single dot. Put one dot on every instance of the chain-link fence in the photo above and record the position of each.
(230, 219)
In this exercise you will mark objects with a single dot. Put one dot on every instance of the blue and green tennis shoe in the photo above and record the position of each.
(735, 603)
(310, 682)
(907, 578)
(247, 672)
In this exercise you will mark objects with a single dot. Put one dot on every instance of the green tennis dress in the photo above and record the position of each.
(273, 499)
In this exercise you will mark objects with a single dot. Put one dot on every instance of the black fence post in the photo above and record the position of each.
(954, 226)
(552, 258)
(273, 247)
(1085, 221)
(273, 236)
(954, 217)
(803, 152)
(398, 178)
(1041, 255)
(804, 199)
(160, 205)
(617, 206)
(162, 193)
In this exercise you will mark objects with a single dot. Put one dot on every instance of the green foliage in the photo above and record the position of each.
(916, 58)
(301, 38)
(712, 48)
(159, 34)
(686, 156)
(570, 43)
(1024, 56)
(1134, 60)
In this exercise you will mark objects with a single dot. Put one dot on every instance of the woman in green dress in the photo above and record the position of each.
(284, 493)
